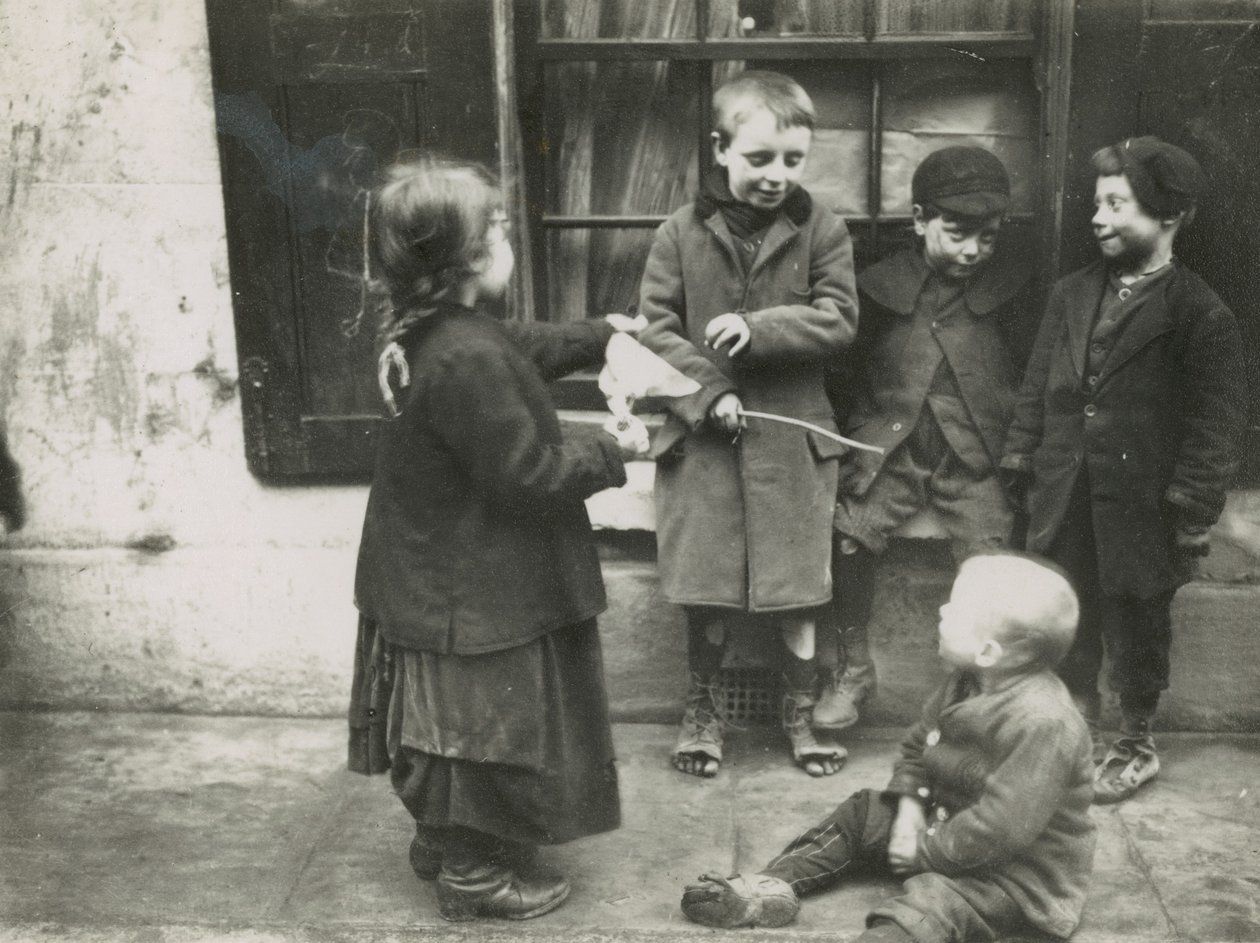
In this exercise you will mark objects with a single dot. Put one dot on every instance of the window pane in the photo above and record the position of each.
(936, 103)
(770, 18)
(944, 16)
(592, 272)
(619, 19)
(1204, 10)
(620, 137)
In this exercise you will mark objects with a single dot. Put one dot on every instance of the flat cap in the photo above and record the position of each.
(962, 179)
(1165, 179)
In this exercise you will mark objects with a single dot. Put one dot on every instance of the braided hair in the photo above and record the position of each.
(429, 223)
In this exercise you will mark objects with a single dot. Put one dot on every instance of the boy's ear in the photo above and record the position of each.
(920, 225)
(990, 654)
(719, 148)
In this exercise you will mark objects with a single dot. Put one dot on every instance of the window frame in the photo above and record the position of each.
(1046, 50)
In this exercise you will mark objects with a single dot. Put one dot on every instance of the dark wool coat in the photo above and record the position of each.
(1007, 778)
(1158, 432)
(476, 537)
(892, 364)
(747, 524)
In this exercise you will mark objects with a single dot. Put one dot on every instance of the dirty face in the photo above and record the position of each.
(764, 161)
(956, 248)
(1127, 235)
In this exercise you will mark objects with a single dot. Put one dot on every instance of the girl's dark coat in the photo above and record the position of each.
(476, 537)
(1158, 432)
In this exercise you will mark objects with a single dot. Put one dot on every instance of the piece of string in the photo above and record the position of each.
(852, 443)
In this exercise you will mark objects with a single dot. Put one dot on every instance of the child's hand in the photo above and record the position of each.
(392, 357)
(631, 435)
(725, 413)
(1193, 540)
(728, 329)
(624, 324)
(903, 839)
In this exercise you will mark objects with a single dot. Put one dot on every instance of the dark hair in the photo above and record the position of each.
(429, 221)
(779, 94)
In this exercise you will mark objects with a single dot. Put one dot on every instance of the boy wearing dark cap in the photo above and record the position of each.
(1124, 438)
(930, 380)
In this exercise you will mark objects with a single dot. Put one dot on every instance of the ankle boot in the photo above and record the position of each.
(798, 716)
(1130, 763)
(848, 685)
(425, 853)
(472, 884)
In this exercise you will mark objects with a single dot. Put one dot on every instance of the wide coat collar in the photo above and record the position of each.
(895, 282)
(1081, 293)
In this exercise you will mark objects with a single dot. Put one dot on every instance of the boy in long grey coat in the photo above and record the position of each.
(749, 291)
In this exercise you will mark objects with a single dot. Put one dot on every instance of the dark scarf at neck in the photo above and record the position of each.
(743, 218)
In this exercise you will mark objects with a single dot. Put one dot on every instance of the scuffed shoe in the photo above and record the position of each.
(425, 853)
(730, 903)
(1129, 763)
(843, 694)
(815, 758)
(698, 750)
(491, 890)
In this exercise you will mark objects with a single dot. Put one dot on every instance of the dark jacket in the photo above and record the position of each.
(747, 524)
(1158, 432)
(476, 536)
(1007, 779)
(890, 369)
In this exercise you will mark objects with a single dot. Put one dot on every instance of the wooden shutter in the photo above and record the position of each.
(313, 99)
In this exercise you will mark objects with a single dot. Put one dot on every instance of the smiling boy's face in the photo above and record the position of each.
(1127, 235)
(764, 162)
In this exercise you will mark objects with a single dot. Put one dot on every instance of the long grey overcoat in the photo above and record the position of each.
(1158, 431)
(746, 523)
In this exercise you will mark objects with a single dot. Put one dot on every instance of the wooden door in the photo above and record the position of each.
(313, 99)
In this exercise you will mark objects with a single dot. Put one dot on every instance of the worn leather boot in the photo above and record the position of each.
(425, 853)
(471, 884)
(845, 689)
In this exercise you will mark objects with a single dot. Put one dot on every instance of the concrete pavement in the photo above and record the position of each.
(161, 827)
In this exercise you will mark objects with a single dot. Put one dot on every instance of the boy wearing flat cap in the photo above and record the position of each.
(1124, 438)
(931, 380)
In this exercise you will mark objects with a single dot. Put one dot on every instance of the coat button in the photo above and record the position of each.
(935, 325)
(1091, 409)
(896, 427)
(1095, 348)
(1092, 381)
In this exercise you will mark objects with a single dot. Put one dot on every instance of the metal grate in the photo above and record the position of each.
(751, 696)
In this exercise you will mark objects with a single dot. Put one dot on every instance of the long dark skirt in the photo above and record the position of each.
(514, 743)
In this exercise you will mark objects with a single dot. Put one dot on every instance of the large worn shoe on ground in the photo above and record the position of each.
(1129, 764)
(467, 890)
(843, 694)
(730, 903)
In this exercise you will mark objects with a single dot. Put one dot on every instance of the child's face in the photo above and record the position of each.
(954, 250)
(763, 160)
(493, 279)
(968, 622)
(1126, 234)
